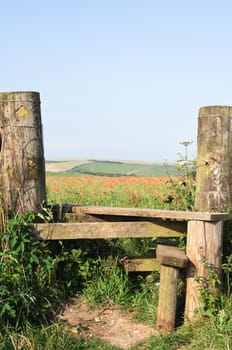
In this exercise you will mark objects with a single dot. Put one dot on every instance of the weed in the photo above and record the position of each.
(181, 191)
(227, 269)
(208, 290)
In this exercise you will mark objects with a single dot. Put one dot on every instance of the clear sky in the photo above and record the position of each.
(119, 79)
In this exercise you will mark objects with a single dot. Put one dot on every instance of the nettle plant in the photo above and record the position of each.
(25, 273)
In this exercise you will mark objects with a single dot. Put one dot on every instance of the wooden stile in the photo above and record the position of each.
(22, 175)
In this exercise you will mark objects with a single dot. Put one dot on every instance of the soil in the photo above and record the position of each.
(107, 323)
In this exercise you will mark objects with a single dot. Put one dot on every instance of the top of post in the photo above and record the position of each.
(14, 96)
(215, 111)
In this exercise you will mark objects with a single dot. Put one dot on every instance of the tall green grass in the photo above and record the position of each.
(48, 337)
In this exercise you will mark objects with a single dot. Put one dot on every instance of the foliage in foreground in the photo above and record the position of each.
(34, 278)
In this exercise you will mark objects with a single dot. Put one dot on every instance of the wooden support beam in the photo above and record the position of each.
(141, 264)
(204, 250)
(166, 311)
(171, 259)
(102, 230)
(170, 225)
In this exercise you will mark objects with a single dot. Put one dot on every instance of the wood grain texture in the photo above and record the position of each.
(141, 264)
(204, 248)
(144, 213)
(166, 311)
(171, 256)
(22, 176)
(102, 230)
(214, 159)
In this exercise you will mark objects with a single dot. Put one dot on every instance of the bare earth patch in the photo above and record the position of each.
(106, 323)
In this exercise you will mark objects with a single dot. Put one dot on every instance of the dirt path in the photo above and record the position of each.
(106, 323)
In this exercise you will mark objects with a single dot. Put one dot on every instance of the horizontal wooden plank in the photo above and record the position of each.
(102, 230)
(171, 256)
(179, 226)
(152, 213)
(141, 264)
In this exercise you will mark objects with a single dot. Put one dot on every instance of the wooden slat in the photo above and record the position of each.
(141, 264)
(102, 230)
(179, 226)
(153, 213)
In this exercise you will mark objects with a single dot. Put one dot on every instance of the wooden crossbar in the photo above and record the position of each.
(103, 230)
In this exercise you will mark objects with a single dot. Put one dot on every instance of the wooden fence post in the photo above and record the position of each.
(22, 165)
(213, 193)
(172, 260)
(166, 311)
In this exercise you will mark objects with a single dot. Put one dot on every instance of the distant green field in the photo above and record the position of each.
(111, 168)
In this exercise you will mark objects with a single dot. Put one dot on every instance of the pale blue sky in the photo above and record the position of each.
(118, 78)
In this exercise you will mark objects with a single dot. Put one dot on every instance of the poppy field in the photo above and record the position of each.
(124, 191)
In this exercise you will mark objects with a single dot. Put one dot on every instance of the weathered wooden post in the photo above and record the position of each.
(213, 193)
(22, 165)
(171, 260)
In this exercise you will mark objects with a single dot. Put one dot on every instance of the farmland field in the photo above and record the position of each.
(109, 183)
(121, 191)
(112, 168)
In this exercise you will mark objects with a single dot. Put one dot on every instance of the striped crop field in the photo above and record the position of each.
(111, 168)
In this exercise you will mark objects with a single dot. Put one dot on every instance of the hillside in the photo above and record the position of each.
(111, 168)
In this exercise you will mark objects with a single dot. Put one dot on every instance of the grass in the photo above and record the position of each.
(50, 337)
(193, 336)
